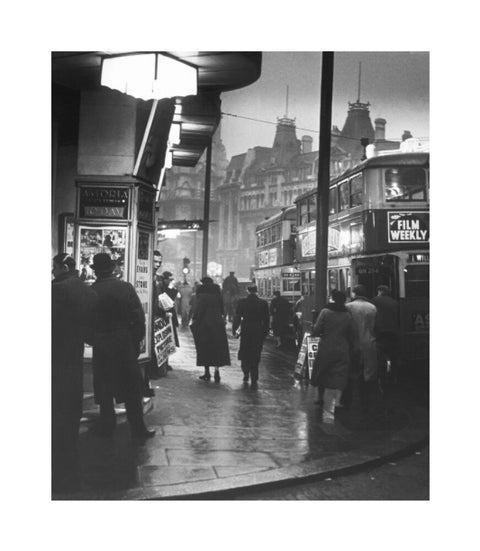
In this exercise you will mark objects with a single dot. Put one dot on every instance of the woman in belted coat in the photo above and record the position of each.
(208, 329)
(335, 328)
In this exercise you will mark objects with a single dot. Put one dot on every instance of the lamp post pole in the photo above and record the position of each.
(321, 251)
(206, 208)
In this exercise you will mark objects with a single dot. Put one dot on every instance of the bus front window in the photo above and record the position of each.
(417, 281)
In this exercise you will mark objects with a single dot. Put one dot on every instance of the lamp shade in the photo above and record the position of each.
(149, 76)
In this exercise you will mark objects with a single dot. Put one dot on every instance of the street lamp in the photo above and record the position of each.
(186, 269)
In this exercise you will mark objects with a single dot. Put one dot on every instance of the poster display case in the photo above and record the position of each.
(118, 218)
(66, 228)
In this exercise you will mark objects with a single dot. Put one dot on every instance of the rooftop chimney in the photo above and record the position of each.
(307, 144)
(380, 129)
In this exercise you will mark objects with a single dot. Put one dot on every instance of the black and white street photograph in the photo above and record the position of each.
(236, 303)
(272, 329)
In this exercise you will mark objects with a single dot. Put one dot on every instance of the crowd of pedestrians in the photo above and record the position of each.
(358, 351)
(358, 345)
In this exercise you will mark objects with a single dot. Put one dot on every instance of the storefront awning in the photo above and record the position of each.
(199, 115)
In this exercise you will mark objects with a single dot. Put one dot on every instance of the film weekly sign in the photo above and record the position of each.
(408, 227)
(103, 202)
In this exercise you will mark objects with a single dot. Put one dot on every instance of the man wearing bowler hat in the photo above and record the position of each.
(118, 330)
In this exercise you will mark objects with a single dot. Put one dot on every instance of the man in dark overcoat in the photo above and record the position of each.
(230, 292)
(73, 303)
(152, 370)
(118, 330)
(252, 318)
(387, 330)
(281, 312)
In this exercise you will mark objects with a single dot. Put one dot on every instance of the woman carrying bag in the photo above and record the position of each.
(331, 367)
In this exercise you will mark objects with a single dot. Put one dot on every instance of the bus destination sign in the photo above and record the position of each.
(408, 227)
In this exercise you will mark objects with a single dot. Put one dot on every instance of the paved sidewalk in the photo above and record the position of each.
(216, 440)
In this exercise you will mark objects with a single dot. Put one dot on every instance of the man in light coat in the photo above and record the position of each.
(364, 371)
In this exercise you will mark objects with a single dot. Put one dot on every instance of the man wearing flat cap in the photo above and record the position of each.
(252, 318)
(118, 330)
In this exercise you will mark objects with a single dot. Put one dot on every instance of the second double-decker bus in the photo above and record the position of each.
(275, 254)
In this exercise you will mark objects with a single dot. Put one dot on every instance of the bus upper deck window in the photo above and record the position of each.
(344, 195)
(356, 191)
(333, 203)
(405, 184)
(303, 212)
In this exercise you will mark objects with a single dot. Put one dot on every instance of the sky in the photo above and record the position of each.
(395, 83)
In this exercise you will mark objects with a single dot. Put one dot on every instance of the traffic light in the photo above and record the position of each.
(186, 269)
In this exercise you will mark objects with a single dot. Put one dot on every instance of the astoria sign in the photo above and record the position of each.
(109, 202)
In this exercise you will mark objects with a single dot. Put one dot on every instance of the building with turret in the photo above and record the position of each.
(263, 180)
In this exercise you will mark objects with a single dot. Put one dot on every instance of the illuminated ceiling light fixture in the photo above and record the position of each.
(149, 76)
(169, 160)
(174, 134)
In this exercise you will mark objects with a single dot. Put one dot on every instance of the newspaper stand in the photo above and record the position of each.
(306, 357)
(117, 216)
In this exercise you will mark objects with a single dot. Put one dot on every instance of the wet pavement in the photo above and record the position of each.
(215, 440)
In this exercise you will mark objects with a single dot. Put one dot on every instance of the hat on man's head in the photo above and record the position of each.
(231, 273)
(166, 275)
(360, 290)
(102, 262)
(206, 280)
(252, 289)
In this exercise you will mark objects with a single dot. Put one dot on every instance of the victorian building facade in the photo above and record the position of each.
(182, 198)
(263, 180)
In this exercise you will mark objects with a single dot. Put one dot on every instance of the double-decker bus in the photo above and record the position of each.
(275, 254)
(379, 233)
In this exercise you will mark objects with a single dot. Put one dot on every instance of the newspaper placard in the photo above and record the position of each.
(312, 347)
(143, 284)
(164, 340)
(299, 372)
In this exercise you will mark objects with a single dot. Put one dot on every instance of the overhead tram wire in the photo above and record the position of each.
(300, 128)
